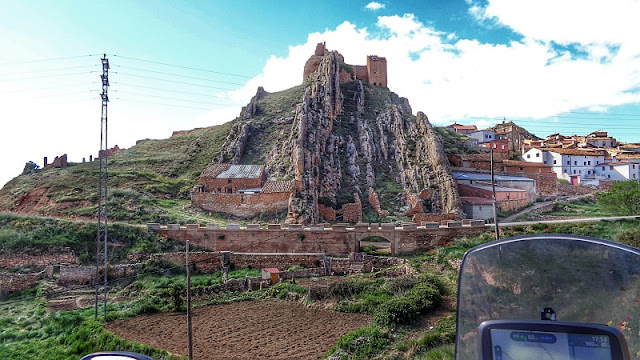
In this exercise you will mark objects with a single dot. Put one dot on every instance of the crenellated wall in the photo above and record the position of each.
(338, 240)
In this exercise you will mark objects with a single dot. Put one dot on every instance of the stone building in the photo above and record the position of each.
(240, 190)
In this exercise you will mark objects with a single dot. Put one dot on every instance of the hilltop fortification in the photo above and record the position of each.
(374, 72)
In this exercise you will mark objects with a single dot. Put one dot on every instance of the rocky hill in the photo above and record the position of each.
(345, 143)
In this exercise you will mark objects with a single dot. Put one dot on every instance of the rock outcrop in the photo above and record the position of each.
(349, 146)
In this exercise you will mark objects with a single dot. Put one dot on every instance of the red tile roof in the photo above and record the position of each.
(271, 270)
(475, 200)
(575, 152)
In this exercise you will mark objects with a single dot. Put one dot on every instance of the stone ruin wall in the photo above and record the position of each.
(18, 261)
(374, 72)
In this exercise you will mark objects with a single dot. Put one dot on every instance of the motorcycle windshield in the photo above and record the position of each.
(582, 279)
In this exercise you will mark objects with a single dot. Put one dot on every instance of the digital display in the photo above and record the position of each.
(509, 344)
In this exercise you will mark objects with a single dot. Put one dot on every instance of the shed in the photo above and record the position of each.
(272, 274)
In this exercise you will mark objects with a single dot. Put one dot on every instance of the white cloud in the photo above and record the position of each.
(567, 21)
(451, 78)
(374, 6)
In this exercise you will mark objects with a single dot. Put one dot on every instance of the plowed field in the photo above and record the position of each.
(244, 330)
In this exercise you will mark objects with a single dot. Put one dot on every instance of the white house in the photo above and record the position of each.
(568, 162)
(483, 136)
(619, 170)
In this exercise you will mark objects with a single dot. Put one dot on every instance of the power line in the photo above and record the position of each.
(163, 104)
(183, 67)
(182, 76)
(174, 81)
(48, 59)
(47, 76)
(162, 89)
(171, 98)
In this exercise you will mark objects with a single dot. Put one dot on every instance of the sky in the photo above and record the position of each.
(568, 66)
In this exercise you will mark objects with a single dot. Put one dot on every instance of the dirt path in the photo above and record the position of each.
(244, 330)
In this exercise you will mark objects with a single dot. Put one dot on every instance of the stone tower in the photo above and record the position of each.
(377, 70)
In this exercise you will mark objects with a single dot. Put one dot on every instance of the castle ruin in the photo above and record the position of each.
(374, 73)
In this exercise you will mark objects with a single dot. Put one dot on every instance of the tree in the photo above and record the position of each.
(622, 199)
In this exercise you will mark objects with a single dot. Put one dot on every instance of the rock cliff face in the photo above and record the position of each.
(344, 143)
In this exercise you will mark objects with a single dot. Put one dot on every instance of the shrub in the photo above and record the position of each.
(362, 343)
(630, 237)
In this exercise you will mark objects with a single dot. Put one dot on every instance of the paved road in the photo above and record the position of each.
(609, 218)
(511, 218)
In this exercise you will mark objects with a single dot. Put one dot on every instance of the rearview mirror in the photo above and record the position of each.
(116, 355)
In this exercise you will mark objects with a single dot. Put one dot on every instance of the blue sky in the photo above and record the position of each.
(570, 66)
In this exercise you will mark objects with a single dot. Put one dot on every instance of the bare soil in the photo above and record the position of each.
(244, 330)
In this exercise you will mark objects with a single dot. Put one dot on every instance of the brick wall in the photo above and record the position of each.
(419, 218)
(243, 205)
(219, 185)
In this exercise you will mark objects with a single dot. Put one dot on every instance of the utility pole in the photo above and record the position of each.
(493, 197)
(189, 331)
(102, 229)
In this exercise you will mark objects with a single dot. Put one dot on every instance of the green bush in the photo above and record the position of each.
(423, 297)
(362, 343)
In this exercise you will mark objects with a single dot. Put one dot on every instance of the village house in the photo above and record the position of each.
(619, 170)
(240, 190)
(574, 165)
(483, 136)
(498, 146)
(477, 208)
(506, 198)
(600, 139)
(462, 129)
(503, 181)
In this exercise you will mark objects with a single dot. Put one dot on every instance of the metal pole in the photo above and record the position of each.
(493, 197)
(189, 331)
(102, 228)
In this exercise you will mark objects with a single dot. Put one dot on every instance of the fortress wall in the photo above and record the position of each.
(332, 242)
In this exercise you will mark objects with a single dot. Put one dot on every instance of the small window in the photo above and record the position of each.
(575, 163)
(589, 162)
(608, 176)
(554, 162)
(523, 169)
(528, 156)
(597, 162)
(568, 162)
(538, 155)
(574, 171)
(603, 168)
(588, 172)
(585, 163)
(634, 176)
(611, 167)
(564, 170)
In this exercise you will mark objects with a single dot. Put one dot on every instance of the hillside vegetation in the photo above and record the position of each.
(149, 182)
